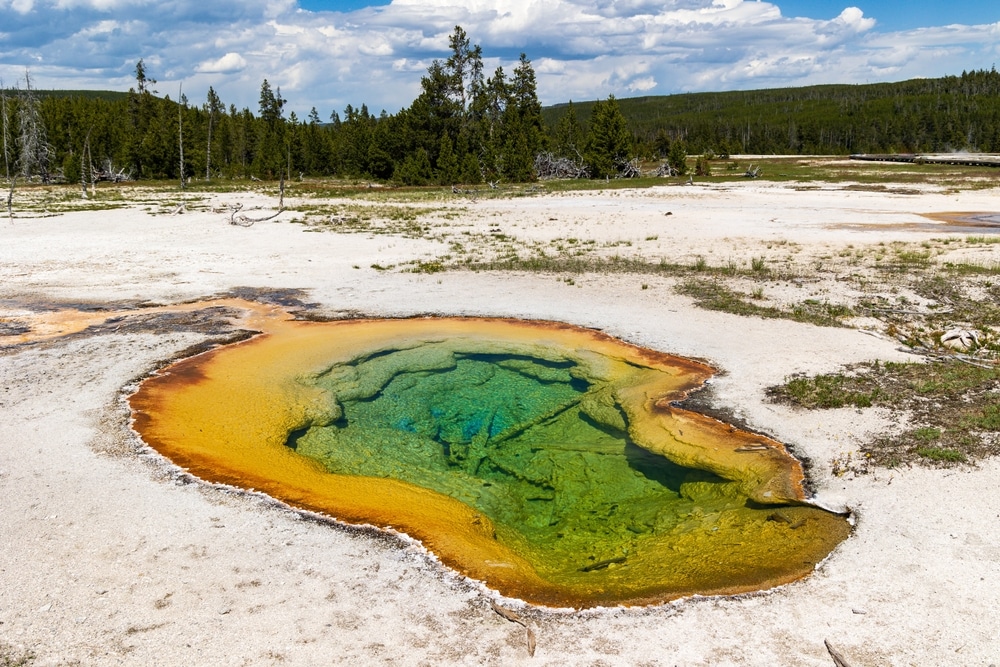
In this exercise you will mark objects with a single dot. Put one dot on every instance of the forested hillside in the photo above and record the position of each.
(469, 127)
(922, 115)
(464, 127)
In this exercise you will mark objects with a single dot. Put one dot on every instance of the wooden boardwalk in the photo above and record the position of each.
(965, 159)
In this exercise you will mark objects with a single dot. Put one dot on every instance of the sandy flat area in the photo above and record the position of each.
(110, 556)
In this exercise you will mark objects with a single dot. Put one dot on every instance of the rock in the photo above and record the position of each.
(960, 339)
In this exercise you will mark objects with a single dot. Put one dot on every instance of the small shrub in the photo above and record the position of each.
(428, 267)
(941, 454)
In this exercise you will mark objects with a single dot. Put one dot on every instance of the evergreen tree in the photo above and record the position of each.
(213, 107)
(141, 111)
(464, 68)
(447, 163)
(416, 169)
(609, 141)
(270, 154)
(677, 158)
(569, 135)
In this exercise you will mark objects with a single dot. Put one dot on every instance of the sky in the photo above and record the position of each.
(330, 53)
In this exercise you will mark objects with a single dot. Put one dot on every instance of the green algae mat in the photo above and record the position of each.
(548, 461)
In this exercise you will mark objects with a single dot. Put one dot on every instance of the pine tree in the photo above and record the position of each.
(270, 156)
(677, 157)
(447, 163)
(213, 107)
(609, 141)
(569, 135)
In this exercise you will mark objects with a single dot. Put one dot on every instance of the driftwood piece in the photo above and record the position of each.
(628, 168)
(548, 165)
(245, 221)
(514, 618)
(838, 659)
(664, 171)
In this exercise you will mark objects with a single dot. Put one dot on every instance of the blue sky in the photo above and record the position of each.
(329, 54)
(893, 15)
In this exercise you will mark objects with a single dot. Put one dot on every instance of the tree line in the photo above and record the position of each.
(468, 127)
(944, 114)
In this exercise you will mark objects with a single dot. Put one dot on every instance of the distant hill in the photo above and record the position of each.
(920, 115)
(107, 95)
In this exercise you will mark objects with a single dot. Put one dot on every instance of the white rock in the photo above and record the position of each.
(960, 339)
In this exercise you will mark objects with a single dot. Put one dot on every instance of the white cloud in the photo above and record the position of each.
(854, 18)
(581, 49)
(642, 85)
(231, 62)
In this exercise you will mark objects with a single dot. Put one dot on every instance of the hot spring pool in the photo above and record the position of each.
(545, 460)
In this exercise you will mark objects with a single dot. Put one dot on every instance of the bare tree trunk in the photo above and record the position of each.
(208, 151)
(6, 132)
(10, 198)
(35, 150)
(84, 166)
(180, 128)
(90, 170)
(281, 192)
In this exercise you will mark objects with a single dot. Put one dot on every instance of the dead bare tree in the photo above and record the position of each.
(10, 198)
(628, 168)
(6, 131)
(83, 167)
(109, 173)
(664, 171)
(87, 171)
(180, 130)
(6, 152)
(549, 166)
(34, 151)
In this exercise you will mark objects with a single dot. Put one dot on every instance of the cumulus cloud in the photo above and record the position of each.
(581, 49)
(855, 19)
(231, 62)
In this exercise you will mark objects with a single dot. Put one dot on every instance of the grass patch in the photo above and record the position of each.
(973, 268)
(12, 657)
(712, 294)
(941, 454)
(832, 390)
(427, 267)
(955, 406)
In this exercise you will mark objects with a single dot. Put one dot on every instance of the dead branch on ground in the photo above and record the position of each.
(548, 166)
(246, 221)
(838, 659)
(514, 618)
